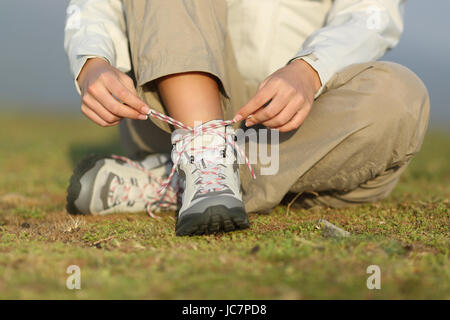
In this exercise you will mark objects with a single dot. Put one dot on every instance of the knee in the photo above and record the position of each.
(388, 93)
(400, 91)
(398, 111)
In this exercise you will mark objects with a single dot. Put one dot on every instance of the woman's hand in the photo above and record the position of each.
(284, 99)
(108, 95)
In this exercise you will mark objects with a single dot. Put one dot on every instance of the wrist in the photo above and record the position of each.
(305, 68)
(88, 65)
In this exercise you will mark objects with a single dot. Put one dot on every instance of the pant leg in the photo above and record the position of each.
(169, 37)
(359, 136)
(175, 36)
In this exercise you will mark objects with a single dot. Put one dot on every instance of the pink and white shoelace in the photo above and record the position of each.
(195, 132)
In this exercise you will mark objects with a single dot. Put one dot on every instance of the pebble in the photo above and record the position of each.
(330, 230)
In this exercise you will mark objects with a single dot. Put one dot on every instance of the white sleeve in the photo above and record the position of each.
(96, 28)
(355, 31)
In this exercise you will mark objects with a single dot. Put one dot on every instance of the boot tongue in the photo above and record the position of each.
(209, 138)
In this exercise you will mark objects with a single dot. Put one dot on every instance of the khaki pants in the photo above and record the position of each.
(359, 137)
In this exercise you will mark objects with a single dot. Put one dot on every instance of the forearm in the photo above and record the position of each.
(96, 29)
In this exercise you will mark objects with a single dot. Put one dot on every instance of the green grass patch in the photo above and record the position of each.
(282, 256)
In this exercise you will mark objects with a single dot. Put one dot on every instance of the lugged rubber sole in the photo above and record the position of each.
(214, 219)
(74, 189)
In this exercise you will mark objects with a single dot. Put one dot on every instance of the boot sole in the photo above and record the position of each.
(214, 219)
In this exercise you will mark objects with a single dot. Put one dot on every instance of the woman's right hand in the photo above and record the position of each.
(108, 95)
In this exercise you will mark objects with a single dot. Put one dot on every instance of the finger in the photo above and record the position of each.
(284, 116)
(283, 98)
(269, 112)
(262, 84)
(127, 82)
(96, 106)
(296, 120)
(95, 117)
(115, 107)
(262, 97)
(123, 94)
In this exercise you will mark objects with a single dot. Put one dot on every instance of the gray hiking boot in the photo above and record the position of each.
(115, 184)
(209, 175)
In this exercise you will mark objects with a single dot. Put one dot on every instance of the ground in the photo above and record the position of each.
(284, 255)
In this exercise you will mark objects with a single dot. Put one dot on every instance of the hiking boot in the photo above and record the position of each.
(104, 185)
(209, 175)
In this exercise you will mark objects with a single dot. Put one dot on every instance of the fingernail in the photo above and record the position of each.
(249, 123)
(237, 118)
(145, 109)
(142, 117)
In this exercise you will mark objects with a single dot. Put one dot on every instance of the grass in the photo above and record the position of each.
(282, 256)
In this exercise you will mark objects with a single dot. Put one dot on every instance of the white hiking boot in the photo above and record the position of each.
(209, 175)
(114, 184)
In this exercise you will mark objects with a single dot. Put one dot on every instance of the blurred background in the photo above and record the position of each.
(35, 74)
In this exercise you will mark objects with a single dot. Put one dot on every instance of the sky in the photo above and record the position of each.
(34, 71)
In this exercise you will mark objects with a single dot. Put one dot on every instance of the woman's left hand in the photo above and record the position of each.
(284, 99)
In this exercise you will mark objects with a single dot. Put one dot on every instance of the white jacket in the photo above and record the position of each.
(266, 34)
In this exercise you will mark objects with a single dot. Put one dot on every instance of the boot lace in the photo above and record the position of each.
(210, 176)
(129, 191)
